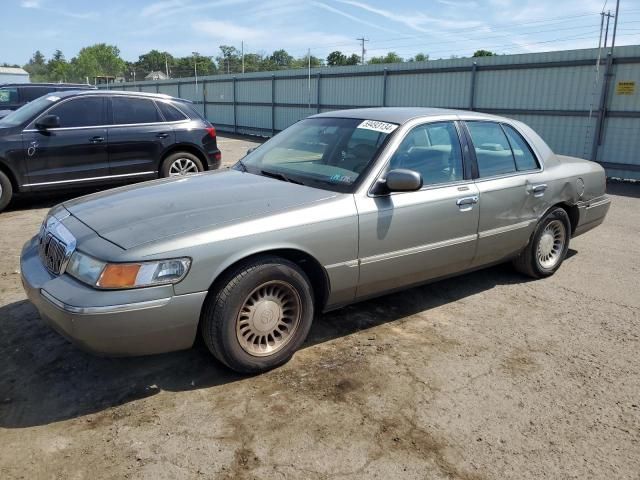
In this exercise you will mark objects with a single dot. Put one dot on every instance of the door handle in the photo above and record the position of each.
(162, 135)
(538, 190)
(467, 200)
(466, 203)
(96, 139)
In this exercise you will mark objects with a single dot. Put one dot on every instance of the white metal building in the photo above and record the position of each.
(13, 75)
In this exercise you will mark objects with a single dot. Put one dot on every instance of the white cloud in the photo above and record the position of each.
(351, 17)
(159, 7)
(30, 4)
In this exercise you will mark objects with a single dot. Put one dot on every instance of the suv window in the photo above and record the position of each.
(433, 150)
(29, 94)
(80, 112)
(492, 148)
(128, 110)
(170, 113)
(8, 96)
(525, 160)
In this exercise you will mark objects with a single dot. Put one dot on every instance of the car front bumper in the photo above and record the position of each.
(111, 323)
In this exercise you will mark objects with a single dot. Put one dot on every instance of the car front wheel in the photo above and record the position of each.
(259, 315)
(548, 246)
(180, 164)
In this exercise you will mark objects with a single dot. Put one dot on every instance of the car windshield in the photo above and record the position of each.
(28, 111)
(328, 153)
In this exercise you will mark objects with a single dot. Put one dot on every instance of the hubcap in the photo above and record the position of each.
(551, 244)
(268, 318)
(182, 166)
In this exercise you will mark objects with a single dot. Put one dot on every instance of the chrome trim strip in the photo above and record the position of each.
(122, 175)
(505, 229)
(417, 249)
(127, 307)
(109, 126)
(598, 203)
(348, 263)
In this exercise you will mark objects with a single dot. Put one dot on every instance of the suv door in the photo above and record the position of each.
(139, 136)
(72, 153)
(510, 182)
(410, 237)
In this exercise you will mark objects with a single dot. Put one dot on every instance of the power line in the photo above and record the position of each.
(362, 40)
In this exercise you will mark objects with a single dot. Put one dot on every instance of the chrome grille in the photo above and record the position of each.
(53, 252)
(55, 245)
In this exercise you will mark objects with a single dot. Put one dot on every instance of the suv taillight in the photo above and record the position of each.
(211, 131)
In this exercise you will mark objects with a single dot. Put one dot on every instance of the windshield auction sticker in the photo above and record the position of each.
(376, 126)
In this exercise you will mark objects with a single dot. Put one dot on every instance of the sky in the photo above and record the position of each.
(439, 28)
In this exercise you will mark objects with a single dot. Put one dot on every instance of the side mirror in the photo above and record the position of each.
(401, 180)
(47, 122)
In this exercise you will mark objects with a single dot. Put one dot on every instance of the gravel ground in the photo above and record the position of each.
(484, 376)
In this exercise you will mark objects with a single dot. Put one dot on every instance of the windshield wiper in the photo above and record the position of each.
(280, 176)
(244, 167)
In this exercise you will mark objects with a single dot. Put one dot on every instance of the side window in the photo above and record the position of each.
(29, 94)
(128, 110)
(80, 112)
(433, 150)
(170, 113)
(8, 96)
(525, 160)
(492, 148)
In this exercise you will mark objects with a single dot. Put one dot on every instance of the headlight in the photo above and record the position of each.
(126, 275)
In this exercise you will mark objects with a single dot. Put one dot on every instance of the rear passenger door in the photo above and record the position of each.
(138, 136)
(510, 186)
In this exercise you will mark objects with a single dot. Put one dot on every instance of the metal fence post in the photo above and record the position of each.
(384, 87)
(273, 105)
(472, 93)
(602, 108)
(157, 88)
(204, 100)
(235, 122)
(179, 95)
(318, 94)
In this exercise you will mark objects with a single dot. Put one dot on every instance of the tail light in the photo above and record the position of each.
(217, 156)
(211, 131)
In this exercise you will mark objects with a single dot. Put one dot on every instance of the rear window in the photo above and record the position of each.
(128, 110)
(170, 113)
(29, 94)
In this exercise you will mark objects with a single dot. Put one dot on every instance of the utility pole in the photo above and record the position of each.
(362, 40)
(166, 65)
(242, 50)
(309, 77)
(606, 31)
(195, 68)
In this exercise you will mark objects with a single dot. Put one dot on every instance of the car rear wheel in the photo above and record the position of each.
(548, 246)
(6, 191)
(180, 164)
(259, 316)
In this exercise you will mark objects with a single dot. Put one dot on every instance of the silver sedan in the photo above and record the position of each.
(339, 207)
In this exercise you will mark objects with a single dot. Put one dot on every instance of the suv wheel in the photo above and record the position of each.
(259, 316)
(6, 191)
(180, 164)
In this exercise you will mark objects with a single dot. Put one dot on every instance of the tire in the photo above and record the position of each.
(259, 315)
(184, 162)
(548, 246)
(6, 191)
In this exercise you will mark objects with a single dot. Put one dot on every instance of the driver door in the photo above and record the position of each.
(74, 152)
(410, 237)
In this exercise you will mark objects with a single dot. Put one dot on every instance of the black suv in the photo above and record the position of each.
(91, 137)
(15, 95)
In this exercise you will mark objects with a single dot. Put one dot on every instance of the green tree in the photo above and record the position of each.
(154, 61)
(353, 59)
(58, 69)
(229, 61)
(391, 57)
(37, 67)
(336, 58)
(420, 57)
(281, 59)
(484, 53)
(98, 60)
(303, 62)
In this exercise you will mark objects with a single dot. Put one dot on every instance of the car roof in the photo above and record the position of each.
(160, 96)
(45, 84)
(402, 115)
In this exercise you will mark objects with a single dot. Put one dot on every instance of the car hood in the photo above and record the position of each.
(146, 212)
